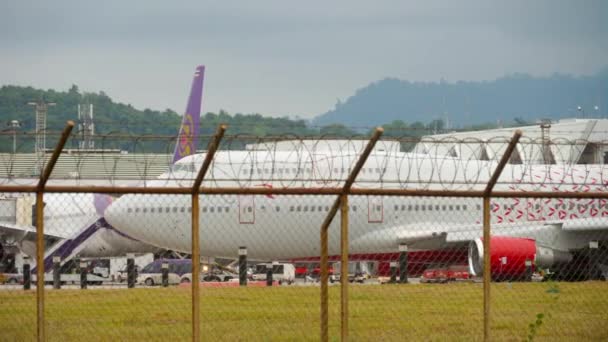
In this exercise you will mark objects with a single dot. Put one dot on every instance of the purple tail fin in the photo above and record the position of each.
(187, 139)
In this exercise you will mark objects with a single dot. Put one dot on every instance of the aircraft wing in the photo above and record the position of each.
(20, 232)
(560, 235)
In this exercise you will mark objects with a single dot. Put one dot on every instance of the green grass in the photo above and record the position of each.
(570, 311)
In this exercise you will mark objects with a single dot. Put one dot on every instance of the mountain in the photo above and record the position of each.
(517, 96)
(118, 119)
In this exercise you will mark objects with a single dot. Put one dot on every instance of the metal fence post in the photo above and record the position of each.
(57, 272)
(344, 268)
(130, 271)
(487, 194)
(403, 263)
(196, 250)
(324, 264)
(27, 275)
(243, 266)
(83, 275)
(40, 228)
(165, 274)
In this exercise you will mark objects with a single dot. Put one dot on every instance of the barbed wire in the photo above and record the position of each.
(287, 161)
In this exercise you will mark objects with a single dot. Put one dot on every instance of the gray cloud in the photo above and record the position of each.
(281, 58)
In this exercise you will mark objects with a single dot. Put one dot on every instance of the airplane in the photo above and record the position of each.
(74, 223)
(548, 233)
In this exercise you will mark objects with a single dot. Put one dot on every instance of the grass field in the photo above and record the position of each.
(557, 311)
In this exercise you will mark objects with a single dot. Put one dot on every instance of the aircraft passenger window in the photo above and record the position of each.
(320, 208)
(403, 207)
(537, 206)
(305, 208)
(136, 210)
(182, 210)
(326, 208)
(212, 209)
(409, 207)
(249, 209)
(437, 207)
(299, 208)
(219, 209)
(430, 207)
(204, 209)
(423, 207)
(457, 207)
(277, 208)
(167, 209)
(451, 207)
(396, 207)
(129, 210)
(312, 208)
(291, 208)
(464, 207)
(478, 207)
(416, 207)
(160, 210)
(145, 210)
(174, 209)
(443, 207)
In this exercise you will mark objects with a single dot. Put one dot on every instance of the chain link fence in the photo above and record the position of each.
(404, 256)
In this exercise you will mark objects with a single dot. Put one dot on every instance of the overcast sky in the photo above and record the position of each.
(285, 57)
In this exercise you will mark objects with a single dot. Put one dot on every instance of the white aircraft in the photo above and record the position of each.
(74, 223)
(547, 232)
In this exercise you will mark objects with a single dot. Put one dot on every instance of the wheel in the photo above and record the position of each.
(185, 280)
(12, 281)
(149, 282)
(227, 278)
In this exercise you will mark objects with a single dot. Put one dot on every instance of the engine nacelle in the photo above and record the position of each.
(509, 256)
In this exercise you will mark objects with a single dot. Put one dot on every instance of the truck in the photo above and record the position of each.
(281, 272)
(358, 271)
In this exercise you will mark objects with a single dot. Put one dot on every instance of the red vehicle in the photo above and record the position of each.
(445, 274)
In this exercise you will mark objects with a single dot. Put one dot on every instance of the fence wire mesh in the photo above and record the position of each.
(415, 261)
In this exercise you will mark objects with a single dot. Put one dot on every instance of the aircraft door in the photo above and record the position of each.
(375, 209)
(246, 209)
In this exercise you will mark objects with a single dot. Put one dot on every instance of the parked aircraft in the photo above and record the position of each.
(74, 223)
(545, 232)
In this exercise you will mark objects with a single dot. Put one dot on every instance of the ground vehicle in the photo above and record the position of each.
(445, 274)
(151, 274)
(358, 271)
(11, 278)
(281, 272)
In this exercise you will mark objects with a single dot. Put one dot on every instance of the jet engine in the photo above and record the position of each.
(513, 258)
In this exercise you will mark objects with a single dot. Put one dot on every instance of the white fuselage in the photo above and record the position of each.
(287, 226)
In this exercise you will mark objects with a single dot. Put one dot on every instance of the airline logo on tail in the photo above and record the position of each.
(187, 139)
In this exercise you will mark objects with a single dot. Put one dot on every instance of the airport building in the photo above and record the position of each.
(568, 141)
